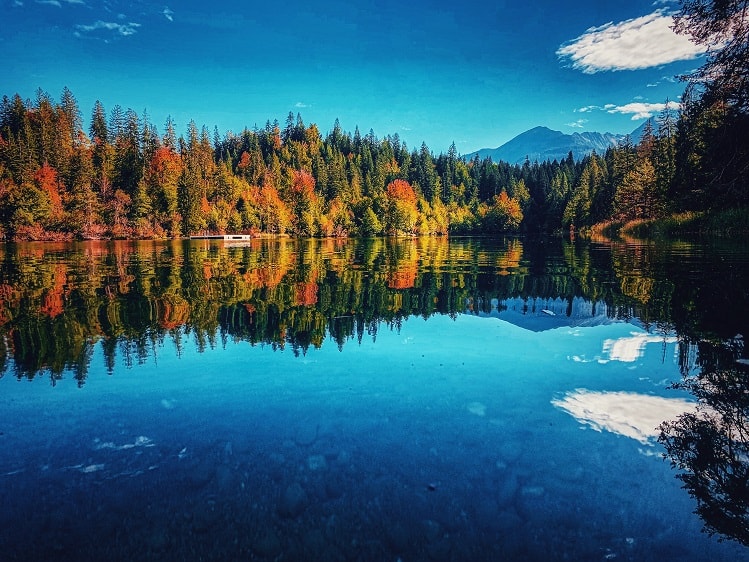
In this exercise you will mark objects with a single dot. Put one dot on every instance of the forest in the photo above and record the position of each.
(123, 178)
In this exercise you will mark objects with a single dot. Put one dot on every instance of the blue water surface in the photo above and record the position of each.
(465, 438)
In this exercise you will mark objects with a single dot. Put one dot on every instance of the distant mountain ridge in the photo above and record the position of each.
(542, 144)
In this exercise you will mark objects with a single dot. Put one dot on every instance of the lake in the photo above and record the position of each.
(417, 399)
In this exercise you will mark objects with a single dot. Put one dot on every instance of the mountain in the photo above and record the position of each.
(539, 314)
(541, 144)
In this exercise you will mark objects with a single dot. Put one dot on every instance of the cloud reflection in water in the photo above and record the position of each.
(632, 348)
(625, 413)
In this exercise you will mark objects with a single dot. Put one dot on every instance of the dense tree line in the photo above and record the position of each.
(125, 180)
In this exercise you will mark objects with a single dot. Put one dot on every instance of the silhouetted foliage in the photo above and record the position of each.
(713, 147)
(710, 447)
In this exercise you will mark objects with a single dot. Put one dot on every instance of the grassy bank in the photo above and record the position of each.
(730, 222)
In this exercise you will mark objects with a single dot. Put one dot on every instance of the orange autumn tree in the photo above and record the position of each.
(402, 212)
(46, 180)
(162, 177)
(305, 204)
(337, 220)
(503, 214)
(273, 214)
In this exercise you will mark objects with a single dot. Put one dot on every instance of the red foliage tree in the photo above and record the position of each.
(303, 183)
(401, 190)
(46, 180)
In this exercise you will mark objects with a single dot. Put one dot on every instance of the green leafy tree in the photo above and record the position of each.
(664, 154)
(128, 162)
(557, 198)
(370, 225)
(580, 207)
(425, 174)
(635, 197)
(84, 206)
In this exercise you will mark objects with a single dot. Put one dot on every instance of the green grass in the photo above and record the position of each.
(728, 223)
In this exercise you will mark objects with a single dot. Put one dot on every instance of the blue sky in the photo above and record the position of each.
(476, 73)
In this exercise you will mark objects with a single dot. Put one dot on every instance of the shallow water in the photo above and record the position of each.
(485, 422)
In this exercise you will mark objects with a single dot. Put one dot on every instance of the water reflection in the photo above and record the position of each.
(630, 348)
(709, 445)
(629, 414)
(59, 300)
(433, 440)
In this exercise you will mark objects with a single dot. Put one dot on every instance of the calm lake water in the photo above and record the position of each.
(373, 400)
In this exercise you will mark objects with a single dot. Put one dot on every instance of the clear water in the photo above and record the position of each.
(419, 400)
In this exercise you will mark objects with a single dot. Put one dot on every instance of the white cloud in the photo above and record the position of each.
(577, 124)
(123, 29)
(638, 43)
(625, 413)
(50, 3)
(642, 110)
(301, 105)
(168, 14)
(637, 109)
(669, 79)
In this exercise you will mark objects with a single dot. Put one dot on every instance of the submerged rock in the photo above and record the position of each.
(317, 462)
(168, 404)
(205, 517)
(334, 488)
(432, 530)
(477, 408)
(306, 434)
(507, 490)
(398, 538)
(508, 521)
(158, 541)
(267, 544)
(199, 473)
(314, 541)
(224, 477)
(439, 550)
(293, 502)
(511, 450)
(536, 491)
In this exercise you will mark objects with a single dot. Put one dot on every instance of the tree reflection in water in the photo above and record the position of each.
(710, 447)
(59, 301)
